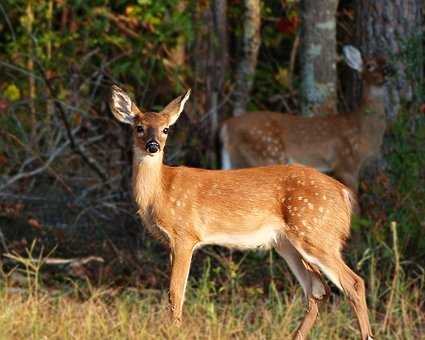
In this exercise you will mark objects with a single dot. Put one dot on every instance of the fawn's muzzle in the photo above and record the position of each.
(152, 146)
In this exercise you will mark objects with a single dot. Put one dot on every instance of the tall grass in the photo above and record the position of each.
(77, 310)
(105, 314)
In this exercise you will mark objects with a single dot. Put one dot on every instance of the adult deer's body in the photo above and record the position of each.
(302, 213)
(339, 143)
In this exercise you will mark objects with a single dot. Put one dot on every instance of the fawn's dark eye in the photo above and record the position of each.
(370, 67)
(165, 131)
(140, 129)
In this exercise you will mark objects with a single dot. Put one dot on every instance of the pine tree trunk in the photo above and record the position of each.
(318, 56)
(248, 63)
(386, 27)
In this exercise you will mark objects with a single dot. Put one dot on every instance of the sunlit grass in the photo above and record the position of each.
(136, 314)
(70, 309)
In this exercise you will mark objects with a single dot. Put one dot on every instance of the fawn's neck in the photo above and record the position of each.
(371, 112)
(147, 179)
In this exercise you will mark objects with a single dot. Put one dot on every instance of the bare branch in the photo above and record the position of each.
(37, 171)
(90, 161)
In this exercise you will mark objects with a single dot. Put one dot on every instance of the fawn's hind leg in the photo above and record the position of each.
(354, 288)
(352, 285)
(314, 288)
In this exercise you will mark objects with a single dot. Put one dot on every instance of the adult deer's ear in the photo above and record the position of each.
(175, 108)
(353, 57)
(122, 106)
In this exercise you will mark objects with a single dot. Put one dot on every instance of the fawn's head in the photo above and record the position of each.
(374, 70)
(150, 128)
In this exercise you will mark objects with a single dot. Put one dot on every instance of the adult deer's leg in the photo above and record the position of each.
(314, 288)
(181, 257)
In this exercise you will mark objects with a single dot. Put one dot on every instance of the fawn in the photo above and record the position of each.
(302, 213)
(340, 144)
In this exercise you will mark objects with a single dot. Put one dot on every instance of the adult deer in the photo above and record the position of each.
(302, 213)
(338, 143)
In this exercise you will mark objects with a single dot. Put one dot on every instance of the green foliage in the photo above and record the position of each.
(128, 39)
(406, 168)
(406, 157)
(273, 80)
(412, 56)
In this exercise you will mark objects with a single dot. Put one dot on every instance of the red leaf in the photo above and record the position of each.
(288, 26)
(3, 160)
(34, 223)
(3, 105)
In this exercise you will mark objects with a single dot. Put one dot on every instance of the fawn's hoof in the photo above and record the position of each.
(299, 336)
(177, 322)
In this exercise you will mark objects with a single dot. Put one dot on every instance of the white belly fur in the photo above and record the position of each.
(264, 237)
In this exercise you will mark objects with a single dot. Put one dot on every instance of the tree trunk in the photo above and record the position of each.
(221, 42)
(220, 62)
(246, 68)
(318, 56)
(210, 58)
(392, 28)
(178, 53)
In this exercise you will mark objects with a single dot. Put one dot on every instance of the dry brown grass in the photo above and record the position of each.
(70, 309)
(131, 314)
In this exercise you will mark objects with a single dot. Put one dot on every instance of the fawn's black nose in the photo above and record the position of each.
(152, 146)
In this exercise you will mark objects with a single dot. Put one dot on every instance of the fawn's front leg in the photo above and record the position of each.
(181, 257)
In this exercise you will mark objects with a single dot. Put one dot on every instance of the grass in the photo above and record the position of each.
(77, 310)
(222, 301)
(105, 314)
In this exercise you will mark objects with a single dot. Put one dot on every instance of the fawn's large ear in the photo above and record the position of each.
(121, 105)
(353, 57)
(175, 107)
